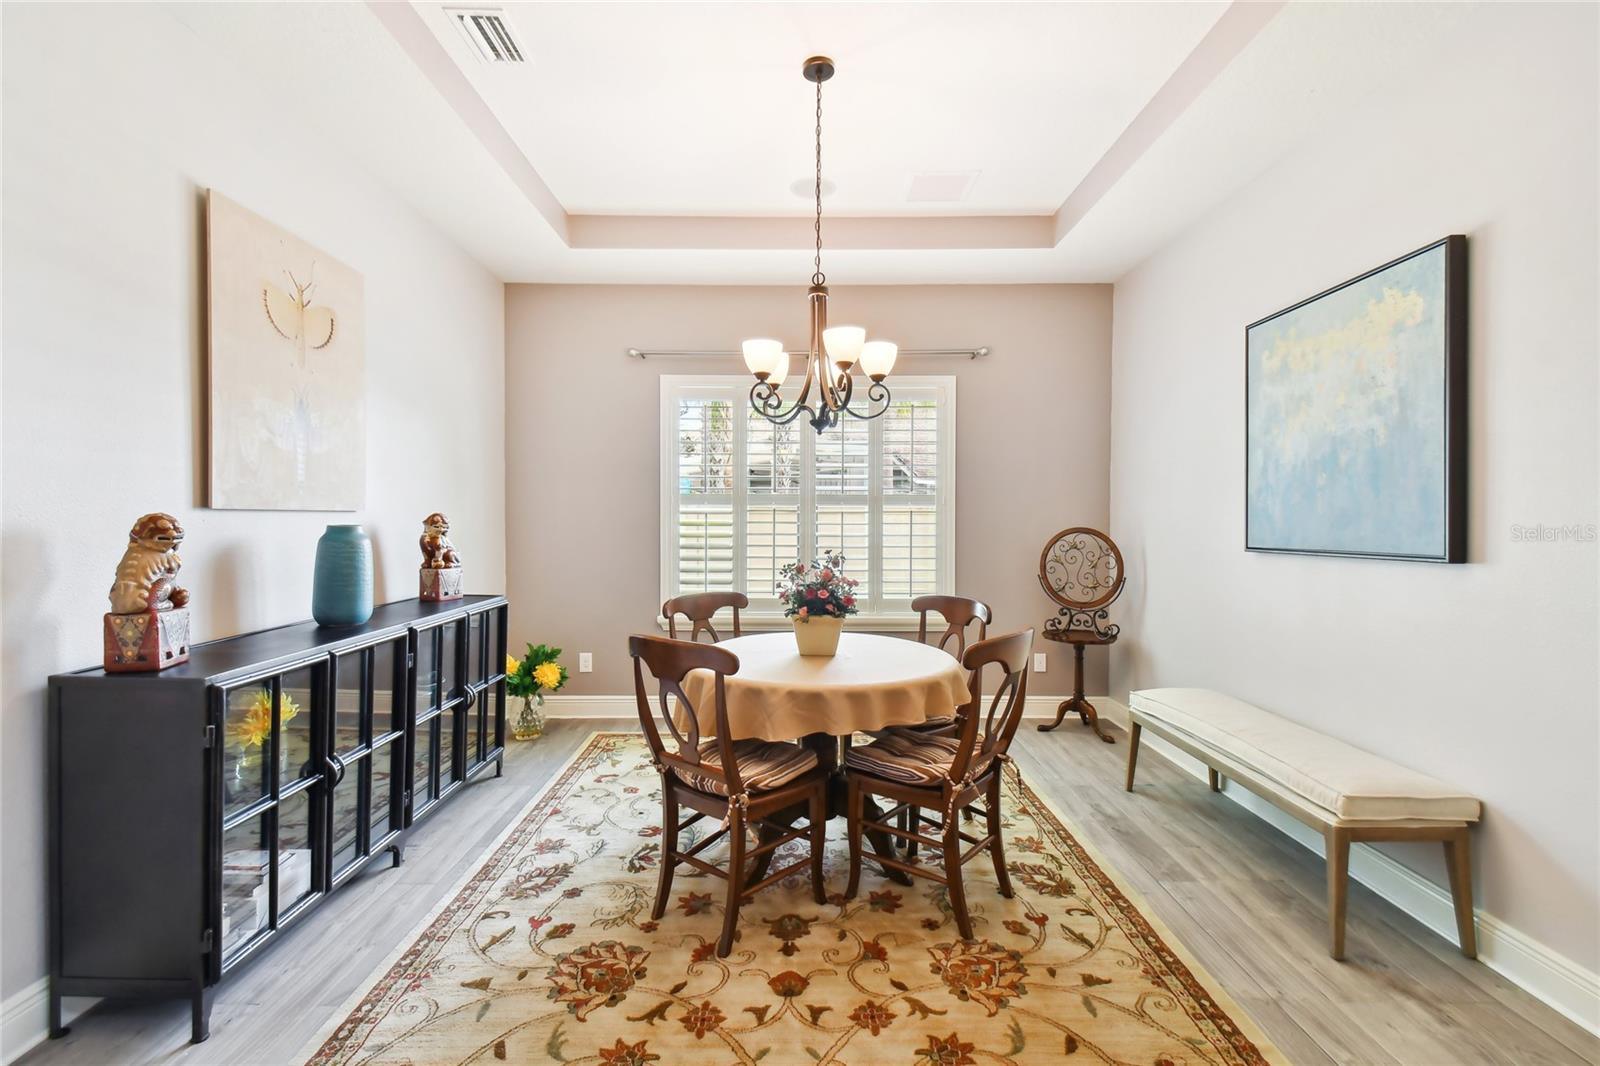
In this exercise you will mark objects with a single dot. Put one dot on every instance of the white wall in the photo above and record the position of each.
(115, 121)
(1482, 674)
(1032, 440)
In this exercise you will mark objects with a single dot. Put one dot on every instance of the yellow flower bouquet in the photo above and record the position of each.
(529, 678)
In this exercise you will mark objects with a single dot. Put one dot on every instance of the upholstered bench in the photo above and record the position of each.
(1343, 792)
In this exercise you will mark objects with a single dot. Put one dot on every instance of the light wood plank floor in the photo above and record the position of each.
(1244, 899)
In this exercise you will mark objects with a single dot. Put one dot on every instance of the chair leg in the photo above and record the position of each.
(1133, 752)
(911, 821)
(997, 846)
(819, 820)
(736, 844)
(1458, 860)
(669, 846)
(952, 873)
(853, 830)
(1338, 887)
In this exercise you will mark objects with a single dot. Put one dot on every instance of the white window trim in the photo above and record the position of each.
(900, 619)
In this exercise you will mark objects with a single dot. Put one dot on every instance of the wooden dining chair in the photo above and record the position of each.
(698, 609)
(927, 772)
(957, 613)
(737, 782)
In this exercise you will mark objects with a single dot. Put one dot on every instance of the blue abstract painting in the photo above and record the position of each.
(1348, 416)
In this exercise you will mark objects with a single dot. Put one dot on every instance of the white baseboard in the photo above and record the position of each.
(559, 706)
(1543, 972)
(25, 1018)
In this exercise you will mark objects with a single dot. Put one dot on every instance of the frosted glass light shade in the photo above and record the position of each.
(761, 355)
(844, 344)
(877, 358)
(779, 372)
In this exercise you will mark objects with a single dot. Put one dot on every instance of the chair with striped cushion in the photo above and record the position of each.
(957, 613)
(699, 608)
(923, 772)
(740, 783)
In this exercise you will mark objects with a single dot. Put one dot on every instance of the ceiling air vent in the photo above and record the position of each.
(488, 32)
(941, 186)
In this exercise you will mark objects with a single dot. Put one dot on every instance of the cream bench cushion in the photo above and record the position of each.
(1350, 785)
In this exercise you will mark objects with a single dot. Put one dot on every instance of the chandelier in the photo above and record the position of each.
(834, 350)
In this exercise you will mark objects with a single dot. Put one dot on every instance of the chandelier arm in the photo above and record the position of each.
(878, 393)
(764, 400)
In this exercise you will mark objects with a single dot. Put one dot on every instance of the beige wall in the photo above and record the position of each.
(1482, 674)
(114, 123)
(582, 465)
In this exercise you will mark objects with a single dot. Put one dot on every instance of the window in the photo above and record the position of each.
(741, 497)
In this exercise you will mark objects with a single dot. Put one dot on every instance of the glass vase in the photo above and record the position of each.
(530, 720)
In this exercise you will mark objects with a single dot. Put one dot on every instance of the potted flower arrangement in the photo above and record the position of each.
(530, 678)
(817, 596)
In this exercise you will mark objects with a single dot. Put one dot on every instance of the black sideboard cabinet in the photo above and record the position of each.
(197, 813)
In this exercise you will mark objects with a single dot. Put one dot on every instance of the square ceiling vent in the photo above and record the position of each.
(488, 32)
(945, 186)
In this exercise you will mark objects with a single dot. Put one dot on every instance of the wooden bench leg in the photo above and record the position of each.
(1338, 887)
(1458, 860)
(1134, 729)
(1213, 780)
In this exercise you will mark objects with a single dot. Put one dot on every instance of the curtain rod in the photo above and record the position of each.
(690, 353)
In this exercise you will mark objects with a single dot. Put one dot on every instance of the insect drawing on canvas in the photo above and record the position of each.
(295, 317)
(286, 352)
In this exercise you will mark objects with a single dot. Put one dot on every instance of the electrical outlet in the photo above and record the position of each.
(585, 662)
(1038, 662)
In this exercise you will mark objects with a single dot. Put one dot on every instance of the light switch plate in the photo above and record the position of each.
(585, 662)
(1038, 662)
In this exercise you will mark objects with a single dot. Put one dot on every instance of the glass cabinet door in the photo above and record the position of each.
(273, 733)
(429, 704)
(368, 684)
(486, 667)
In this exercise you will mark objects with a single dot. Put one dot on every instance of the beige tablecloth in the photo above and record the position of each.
(873, 682)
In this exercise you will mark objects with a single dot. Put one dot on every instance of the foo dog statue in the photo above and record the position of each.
(147, 627)
(440, 577)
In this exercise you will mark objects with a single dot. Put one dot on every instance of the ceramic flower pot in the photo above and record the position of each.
(341, 589)
(818, 636)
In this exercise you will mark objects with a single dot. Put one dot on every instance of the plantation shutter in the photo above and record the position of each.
(743, 497)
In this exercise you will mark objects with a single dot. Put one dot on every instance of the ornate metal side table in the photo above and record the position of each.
(1081, 570)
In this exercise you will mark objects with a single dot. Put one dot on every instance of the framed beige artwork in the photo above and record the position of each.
(286, 353)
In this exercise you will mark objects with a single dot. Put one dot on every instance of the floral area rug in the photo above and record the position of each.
(547, 954)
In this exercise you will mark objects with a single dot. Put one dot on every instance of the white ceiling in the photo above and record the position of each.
(600, 160)
(701, 109)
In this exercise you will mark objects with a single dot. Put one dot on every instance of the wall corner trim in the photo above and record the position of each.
(25, 1018)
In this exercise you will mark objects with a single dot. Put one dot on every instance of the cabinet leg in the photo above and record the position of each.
(57, 1030)
(500, 766)
(200, 1014)
(398, 850)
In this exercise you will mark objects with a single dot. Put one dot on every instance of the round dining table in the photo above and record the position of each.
(871, 683)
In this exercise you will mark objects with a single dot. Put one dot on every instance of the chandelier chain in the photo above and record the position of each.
(818, 277)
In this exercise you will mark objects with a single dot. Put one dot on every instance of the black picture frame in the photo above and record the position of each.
(1453, 401)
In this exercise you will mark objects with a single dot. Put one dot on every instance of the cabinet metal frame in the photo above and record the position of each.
(191, 701)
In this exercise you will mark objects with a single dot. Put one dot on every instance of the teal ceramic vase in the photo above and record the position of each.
(341, 588)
